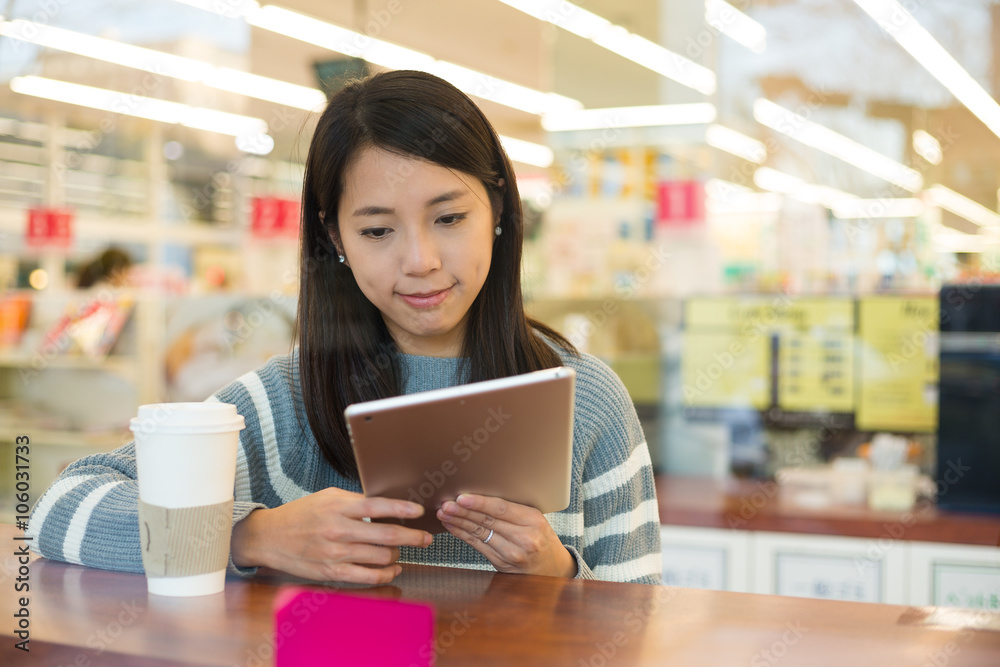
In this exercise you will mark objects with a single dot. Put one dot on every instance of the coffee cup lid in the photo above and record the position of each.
(176, 418)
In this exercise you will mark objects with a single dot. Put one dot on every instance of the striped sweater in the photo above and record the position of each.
(89, 515)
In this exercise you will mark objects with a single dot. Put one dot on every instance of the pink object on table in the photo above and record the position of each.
(317, 627)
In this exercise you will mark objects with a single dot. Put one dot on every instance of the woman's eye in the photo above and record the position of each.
(375, 232)
(451, 219)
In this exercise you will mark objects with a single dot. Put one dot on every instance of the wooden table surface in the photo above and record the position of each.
(759, 505)
(83, 616)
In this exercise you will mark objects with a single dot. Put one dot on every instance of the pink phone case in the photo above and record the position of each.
(317, 627)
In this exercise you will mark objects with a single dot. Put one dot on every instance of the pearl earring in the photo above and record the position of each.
(341, 258)
(498, 231)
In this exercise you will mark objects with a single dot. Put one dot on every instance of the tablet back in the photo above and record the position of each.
(511, 438)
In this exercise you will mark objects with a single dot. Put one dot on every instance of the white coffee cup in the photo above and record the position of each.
(186, 458)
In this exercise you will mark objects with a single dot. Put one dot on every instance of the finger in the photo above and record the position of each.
(370, 554)
(488, 550)
(388, 534)
(383, 508)
(497, 508)
(473, 528)
(361, 574)
(451, 509)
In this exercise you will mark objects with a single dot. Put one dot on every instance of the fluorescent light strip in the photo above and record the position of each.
(641, 116)
(617, 39)
(141, 107)
(962, 206)
(328, 36)
(812, 134)
(166, 64)
(728, 197)
(919, 43)
(927, 147)
(527, 152)
(736, 143)
(736, 25)
(777, 181)
(107, 50)
(878, 208)
(500, 91)
(947, 239)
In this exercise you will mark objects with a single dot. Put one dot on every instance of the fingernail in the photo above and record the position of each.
(464, 500)
(414, 510)
(428, 539)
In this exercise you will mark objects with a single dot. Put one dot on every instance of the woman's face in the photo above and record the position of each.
(419, 239)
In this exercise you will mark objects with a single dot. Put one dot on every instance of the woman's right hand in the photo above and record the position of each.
(323, 537)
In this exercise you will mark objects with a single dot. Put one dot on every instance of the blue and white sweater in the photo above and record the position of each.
(90, 513)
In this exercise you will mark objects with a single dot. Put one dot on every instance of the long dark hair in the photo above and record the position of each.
(346, 354)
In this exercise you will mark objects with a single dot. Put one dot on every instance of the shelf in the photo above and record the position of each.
(121, 364)
(106, 440)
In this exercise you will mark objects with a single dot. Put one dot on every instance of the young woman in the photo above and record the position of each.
(410, 281)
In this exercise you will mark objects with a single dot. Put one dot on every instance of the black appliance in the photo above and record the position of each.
(968, 447)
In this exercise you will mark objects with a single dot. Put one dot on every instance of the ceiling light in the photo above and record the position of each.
(927, 147)
(947, 239)
(777, 181)
(736, 25)
(879, 208)
(166, 64)
(905, 29)
(141, 107)
(265, 88)
(527, 152)
(107, 50)
(503, 92)
(356, 45)
(329, 36)
(728, 197)
(255, 144)
(640, 116)
(812, 134)
(736, 143)
(617, 39)
(962, 206)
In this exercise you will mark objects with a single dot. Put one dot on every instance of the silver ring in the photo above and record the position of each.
(488, 537)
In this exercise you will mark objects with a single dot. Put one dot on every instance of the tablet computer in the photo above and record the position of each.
(511, 437)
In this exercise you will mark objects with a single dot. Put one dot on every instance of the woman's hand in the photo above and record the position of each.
(522, 540)
(322, 537)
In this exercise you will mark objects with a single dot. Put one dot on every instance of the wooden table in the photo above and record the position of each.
(82, 616)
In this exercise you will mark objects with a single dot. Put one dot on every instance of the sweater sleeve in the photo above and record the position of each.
(90, 513)
(621, 536)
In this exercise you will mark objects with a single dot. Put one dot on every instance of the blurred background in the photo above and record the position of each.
(748, 209)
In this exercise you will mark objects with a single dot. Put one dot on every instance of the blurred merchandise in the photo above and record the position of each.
(15, 310)
(90, 328)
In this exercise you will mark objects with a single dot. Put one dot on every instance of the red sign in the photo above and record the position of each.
(680, 203)
(274, 216)
(49, 227)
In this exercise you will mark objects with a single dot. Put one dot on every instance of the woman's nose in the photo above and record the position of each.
(421, 254)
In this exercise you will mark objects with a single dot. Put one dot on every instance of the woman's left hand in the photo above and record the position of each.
(515, 538)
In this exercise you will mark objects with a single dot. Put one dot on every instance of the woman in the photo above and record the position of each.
(410, 281)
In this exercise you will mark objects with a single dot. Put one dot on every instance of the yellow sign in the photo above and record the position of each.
(779, 312)
(897, 364)
(816, 372)
(726, 370)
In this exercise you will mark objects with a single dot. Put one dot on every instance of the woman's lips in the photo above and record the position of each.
(428, 300)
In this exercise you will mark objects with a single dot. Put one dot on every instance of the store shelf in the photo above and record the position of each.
(39, 436)
(120, 364)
